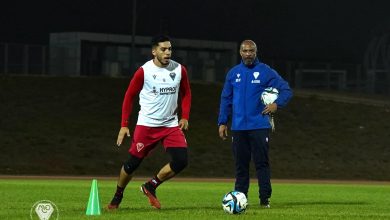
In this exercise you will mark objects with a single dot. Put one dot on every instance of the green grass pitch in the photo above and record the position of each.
(197, 200)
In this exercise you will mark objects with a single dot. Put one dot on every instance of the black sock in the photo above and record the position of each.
(155, 182)
(119, 191)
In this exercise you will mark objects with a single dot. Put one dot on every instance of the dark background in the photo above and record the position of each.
(296, 30)
(68, 125)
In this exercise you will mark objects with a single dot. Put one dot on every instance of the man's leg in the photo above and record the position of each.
(260, 146)
(179, 161)
(242, 157)
(125, 176)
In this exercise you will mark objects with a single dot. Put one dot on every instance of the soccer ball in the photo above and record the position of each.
(234, 202)
(269, 95)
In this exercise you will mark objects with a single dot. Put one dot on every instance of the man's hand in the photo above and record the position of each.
(269, 109)
(183, 124)
(122, 132)
(223, 132)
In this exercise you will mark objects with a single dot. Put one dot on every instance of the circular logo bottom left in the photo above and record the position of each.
(44, 210)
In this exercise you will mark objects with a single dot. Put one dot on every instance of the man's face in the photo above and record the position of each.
(248, 53)
(162, 53)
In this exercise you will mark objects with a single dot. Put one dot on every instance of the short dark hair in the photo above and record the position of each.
(159, 38)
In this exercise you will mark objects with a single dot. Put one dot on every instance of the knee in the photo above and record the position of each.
(131, 164)
(179, 159)
(178, 164)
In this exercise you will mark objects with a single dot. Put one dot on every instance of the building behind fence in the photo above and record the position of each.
(92, 54)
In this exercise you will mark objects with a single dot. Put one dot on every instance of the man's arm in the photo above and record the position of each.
(185, 94)
(285, 92)
(225, 107)
(134, 88)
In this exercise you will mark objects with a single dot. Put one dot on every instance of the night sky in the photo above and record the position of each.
(332, 30)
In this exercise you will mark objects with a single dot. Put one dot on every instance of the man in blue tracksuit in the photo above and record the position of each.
(241, 100)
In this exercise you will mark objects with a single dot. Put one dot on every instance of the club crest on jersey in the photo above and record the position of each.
(238, 79)
(172, 75)
(255, 75)
(140, 146)
(154, 76)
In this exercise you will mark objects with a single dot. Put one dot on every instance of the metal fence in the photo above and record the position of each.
(24, 59)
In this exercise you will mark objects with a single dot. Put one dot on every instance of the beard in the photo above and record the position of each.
(248, 61)
(162, 61)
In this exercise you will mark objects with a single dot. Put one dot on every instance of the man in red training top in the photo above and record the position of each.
(159, 83)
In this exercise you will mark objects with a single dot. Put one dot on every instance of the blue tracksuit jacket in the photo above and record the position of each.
(241, 95)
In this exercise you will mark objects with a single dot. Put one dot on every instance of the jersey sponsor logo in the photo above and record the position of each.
(255, 74)
(140, 146)
(168, 90)
(154, 91)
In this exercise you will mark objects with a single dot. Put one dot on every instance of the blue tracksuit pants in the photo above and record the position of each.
(247, 145)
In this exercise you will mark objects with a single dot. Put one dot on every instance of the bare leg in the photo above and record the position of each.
(124, 178)
(165, 173)
(179, 160)
(149, 188)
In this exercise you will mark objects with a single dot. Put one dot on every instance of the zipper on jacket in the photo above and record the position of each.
(245, 99)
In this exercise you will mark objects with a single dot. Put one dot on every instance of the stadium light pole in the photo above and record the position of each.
(133, 29)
